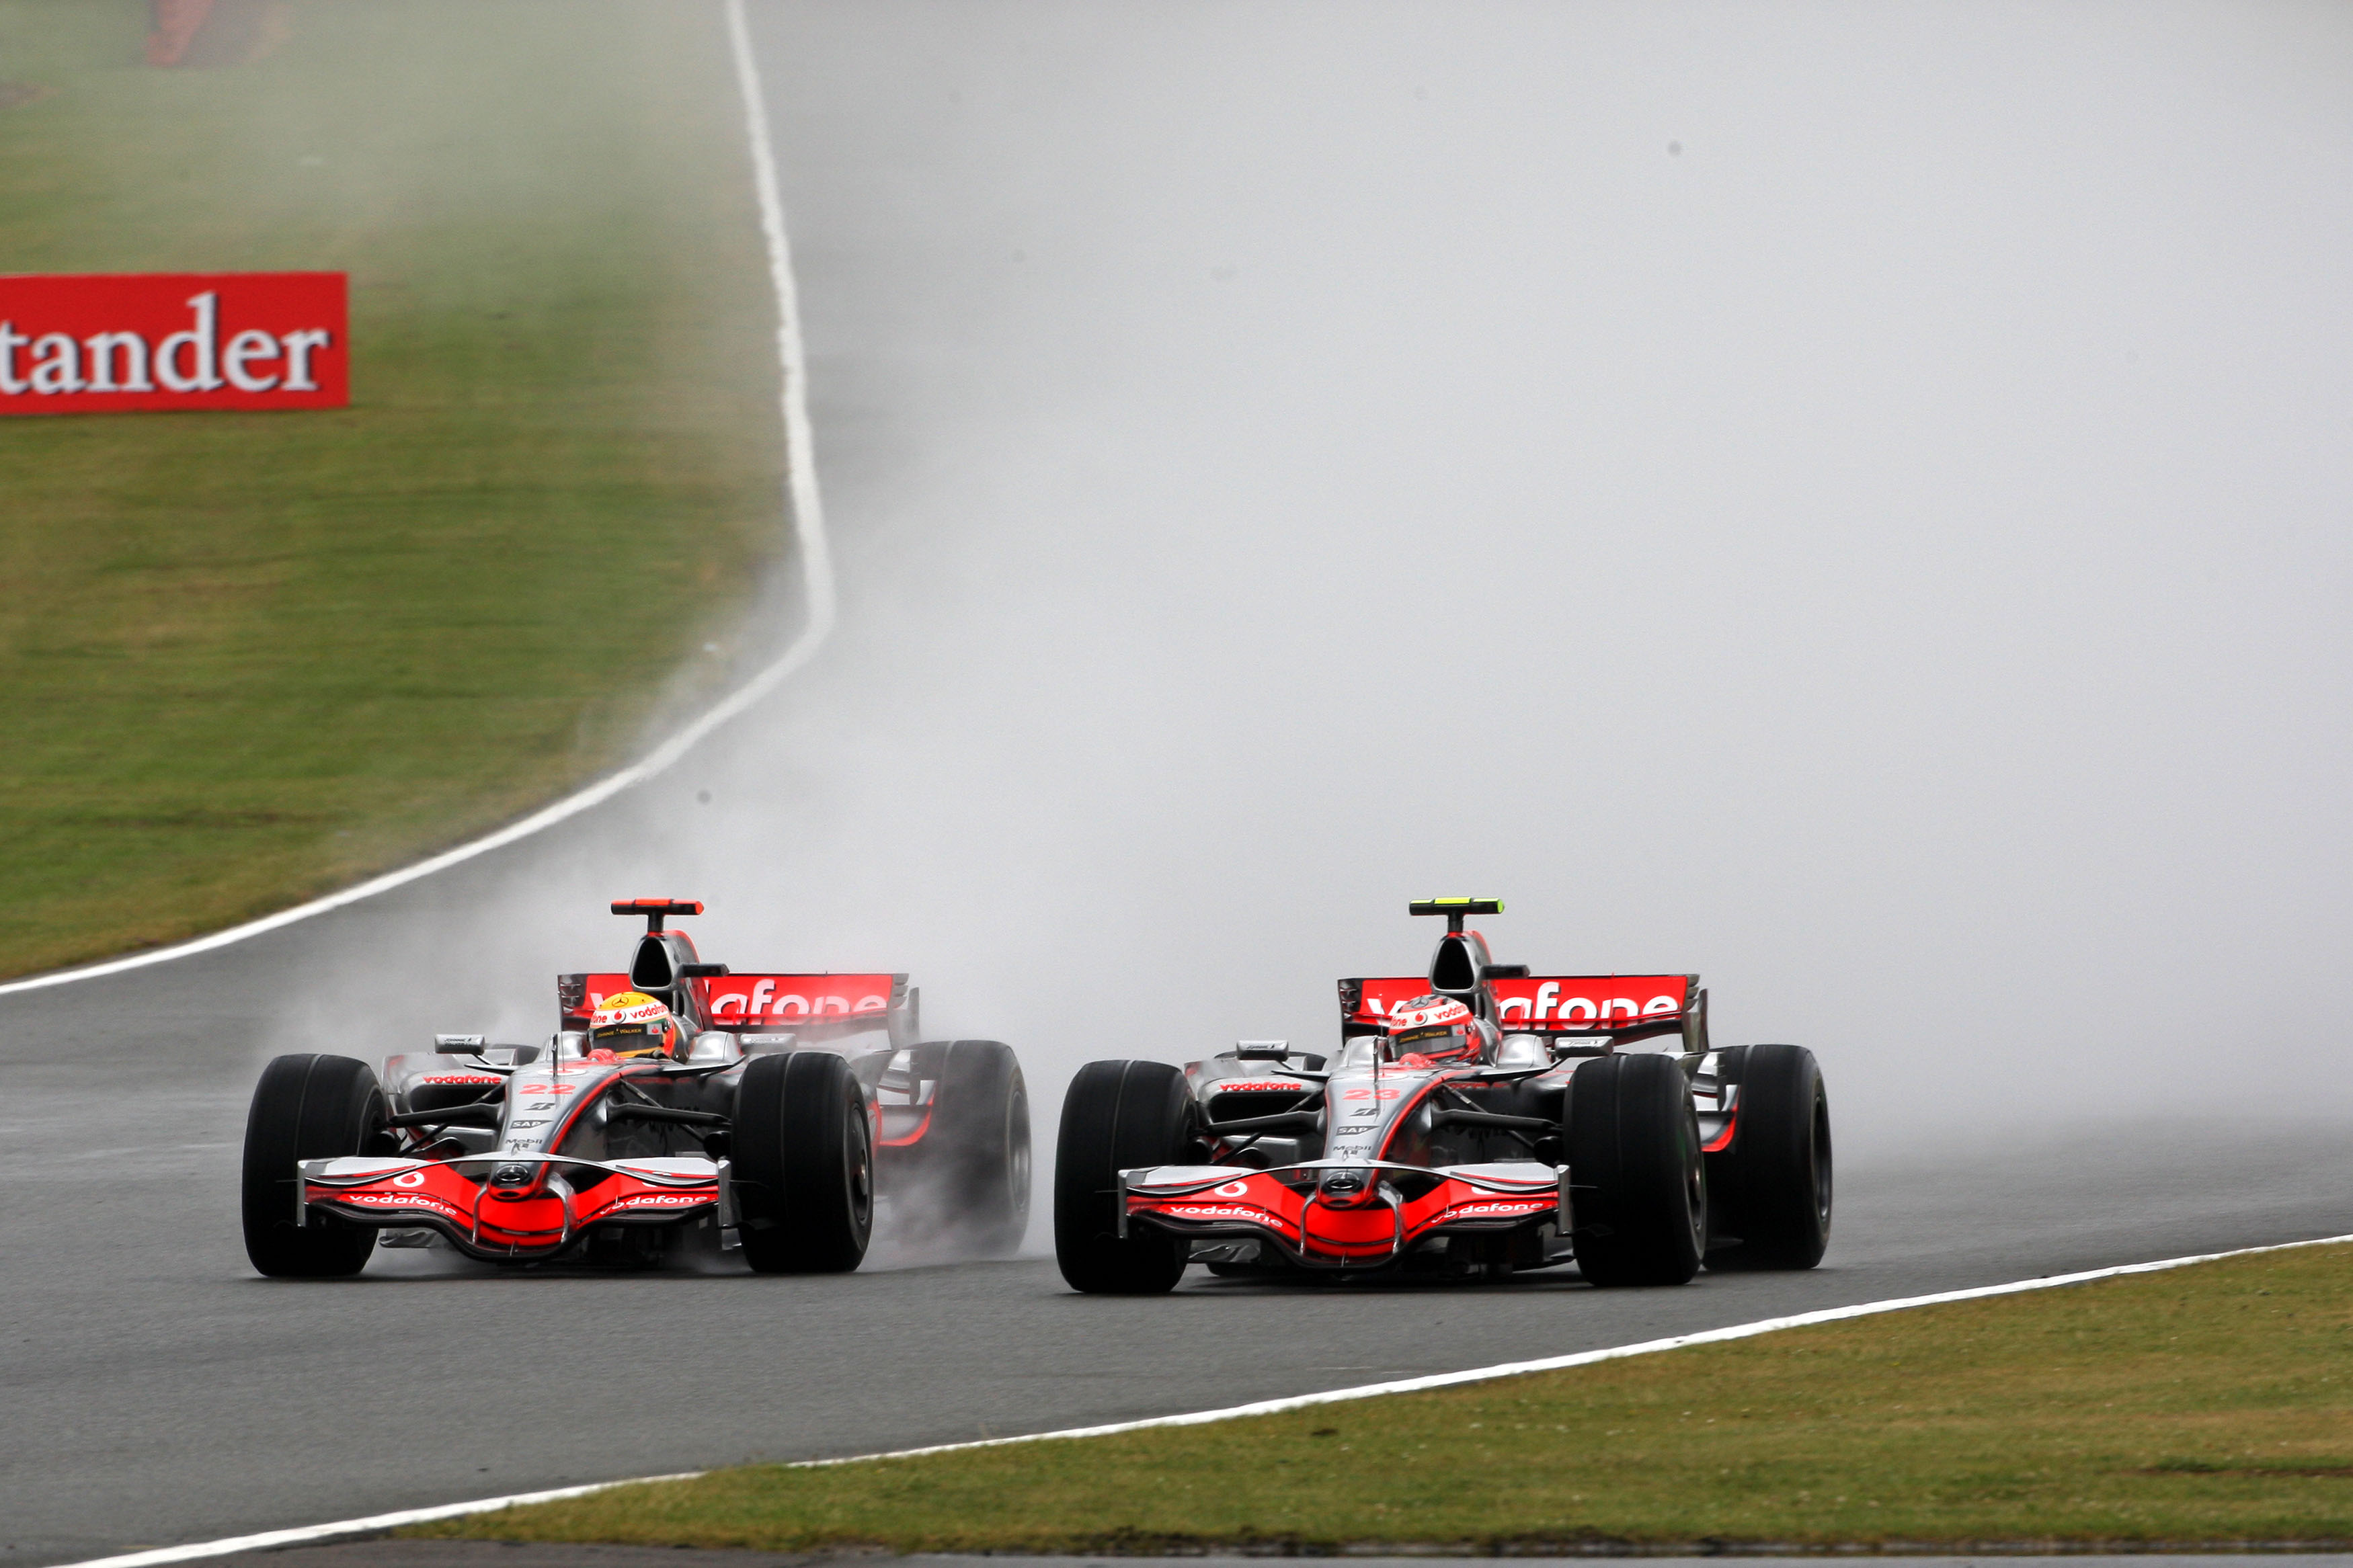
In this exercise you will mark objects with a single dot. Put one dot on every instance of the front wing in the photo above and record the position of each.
(1238, 1201)
(539, 1218)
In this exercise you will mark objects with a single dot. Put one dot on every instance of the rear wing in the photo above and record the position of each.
(1615, 1007)
(820, 1005)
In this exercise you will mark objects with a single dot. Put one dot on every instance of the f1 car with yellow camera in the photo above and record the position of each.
(1476, 1120)
(675, 1096)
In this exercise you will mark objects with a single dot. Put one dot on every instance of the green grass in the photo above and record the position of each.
(2204, 1404)
(250, 657)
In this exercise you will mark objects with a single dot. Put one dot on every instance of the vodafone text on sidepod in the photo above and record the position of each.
(107, 343)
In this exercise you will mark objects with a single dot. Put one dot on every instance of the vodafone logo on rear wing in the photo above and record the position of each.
(742, 1001)
(802, 998)
(1587, 1001)
(1546, 1004)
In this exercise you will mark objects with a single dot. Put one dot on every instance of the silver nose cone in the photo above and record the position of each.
(1346, 1186)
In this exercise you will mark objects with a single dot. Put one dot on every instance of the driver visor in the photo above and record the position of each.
(631, 1039)
(1430, 1042)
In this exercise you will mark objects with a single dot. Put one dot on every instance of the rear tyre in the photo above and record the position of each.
(1776, 1177)
(1118, 1116)
(1641, 1189)
(802, 1165)
(981, 1162)
(308, 1107)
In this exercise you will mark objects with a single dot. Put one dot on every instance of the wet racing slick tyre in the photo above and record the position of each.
(1640, 1187)
(802, 1165)
(308, 1107)
(1774, 1183)
(982, 1159)
(1118, 1116)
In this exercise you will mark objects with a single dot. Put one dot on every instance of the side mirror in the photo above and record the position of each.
(459, 1045)
(713, 1046)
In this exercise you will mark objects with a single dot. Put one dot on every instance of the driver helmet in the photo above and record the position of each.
(632, 1024)
(1431, 1030)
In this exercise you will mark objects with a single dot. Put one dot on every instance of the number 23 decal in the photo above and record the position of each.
(1367, 1094)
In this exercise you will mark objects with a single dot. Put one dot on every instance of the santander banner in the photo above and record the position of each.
(103, 342)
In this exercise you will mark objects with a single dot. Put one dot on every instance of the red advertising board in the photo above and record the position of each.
(103, 342)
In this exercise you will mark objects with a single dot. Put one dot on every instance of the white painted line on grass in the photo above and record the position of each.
(271, 1539)
(816, 563)
(1579, 1358)
(1232, 1413)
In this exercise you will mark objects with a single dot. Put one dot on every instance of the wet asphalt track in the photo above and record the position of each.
(157, 1392)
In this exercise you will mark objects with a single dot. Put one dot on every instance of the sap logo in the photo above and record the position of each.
(1550, 1003)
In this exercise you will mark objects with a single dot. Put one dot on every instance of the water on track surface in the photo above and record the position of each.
(1055, 396)
(176, 1396)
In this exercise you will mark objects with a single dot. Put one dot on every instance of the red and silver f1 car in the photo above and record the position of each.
(777, 1110)
(1478, 1120)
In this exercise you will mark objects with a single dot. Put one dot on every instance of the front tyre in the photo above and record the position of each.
(308, 1107)
(802, 1165)
(1118, 1116)
(1639, 1187)
(1778, 1171)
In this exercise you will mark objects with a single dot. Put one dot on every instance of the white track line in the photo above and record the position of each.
(816, 563)
(269, 1540)
(382, 1521)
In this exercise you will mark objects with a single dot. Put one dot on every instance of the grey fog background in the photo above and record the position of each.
(1885, 555)
(1851, 500)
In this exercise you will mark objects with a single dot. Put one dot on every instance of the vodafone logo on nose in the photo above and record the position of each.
(107, 343)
